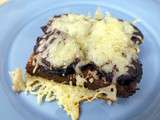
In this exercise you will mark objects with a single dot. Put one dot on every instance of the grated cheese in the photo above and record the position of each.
(80, 80)
(101, 40)
(58, 55)
(69, 97)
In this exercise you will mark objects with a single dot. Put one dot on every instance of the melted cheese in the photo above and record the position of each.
(74, 25)
(107, 42)
(62, 53)
(102, 40)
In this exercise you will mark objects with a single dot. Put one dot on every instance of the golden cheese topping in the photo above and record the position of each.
(103, 40)
(108, 41)
(63, 52)
(73, 24)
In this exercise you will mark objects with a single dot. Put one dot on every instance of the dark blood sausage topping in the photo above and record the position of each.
(95, 77)
(137, 36)
(45, 28)
(127, 84)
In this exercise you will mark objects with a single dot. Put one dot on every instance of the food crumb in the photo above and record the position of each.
(18, 84)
